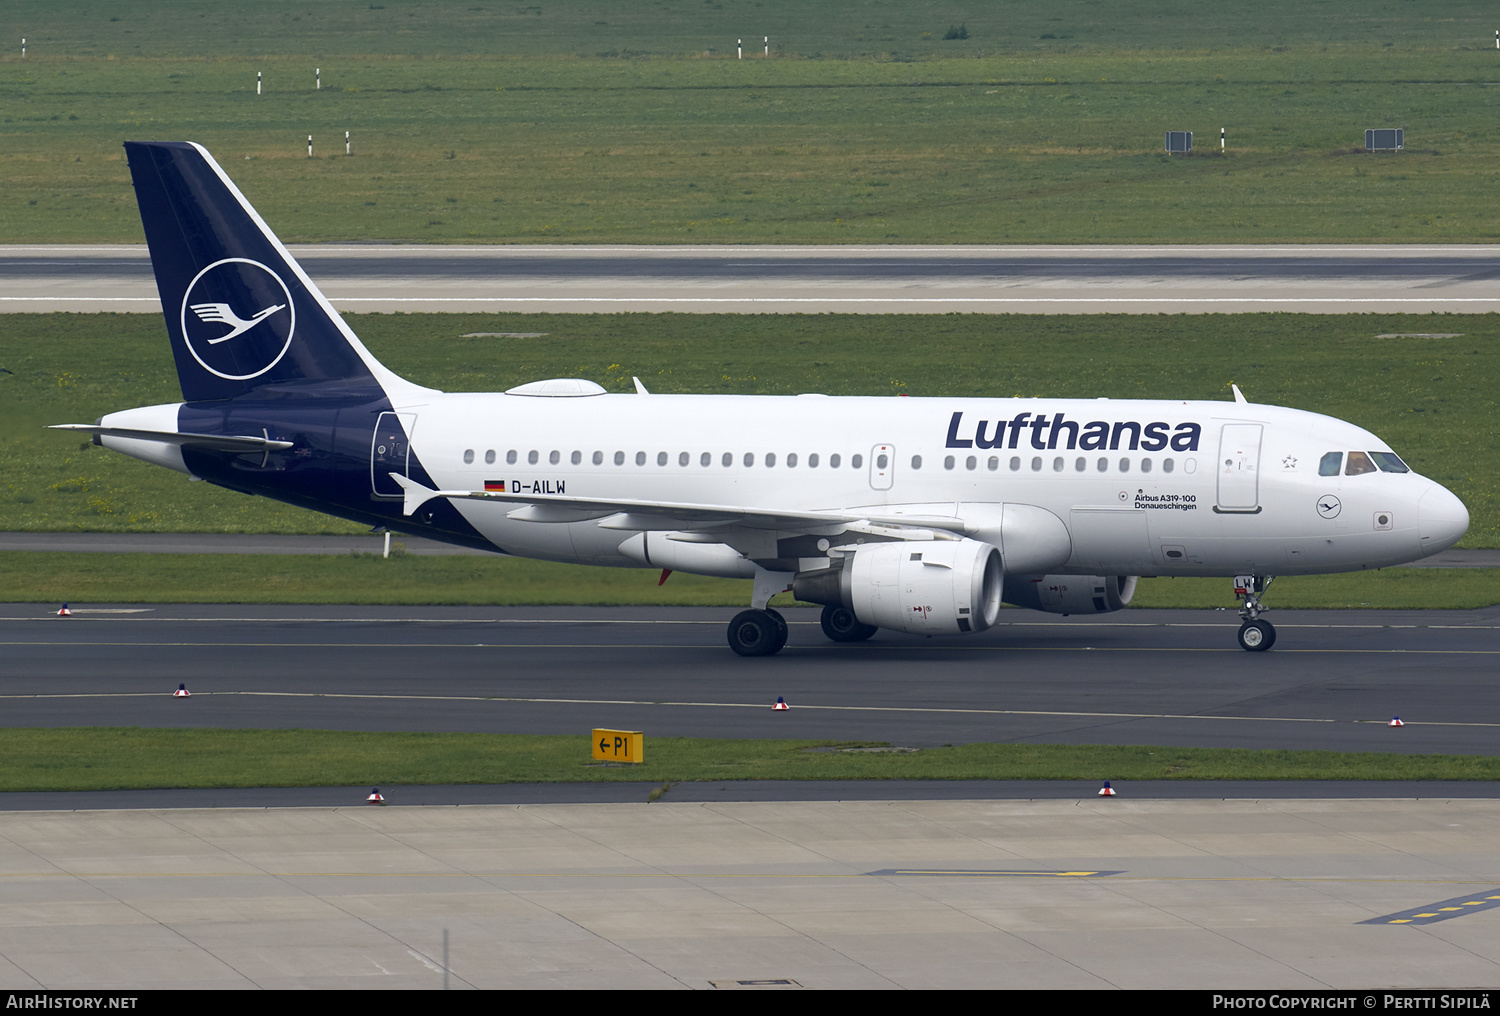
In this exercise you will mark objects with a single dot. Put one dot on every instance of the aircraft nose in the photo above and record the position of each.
(1441, 520)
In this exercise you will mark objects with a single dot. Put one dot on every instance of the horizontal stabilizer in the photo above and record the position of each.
(206, 442)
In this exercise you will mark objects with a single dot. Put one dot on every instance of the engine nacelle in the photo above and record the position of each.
(929, 587)
(1071, 594)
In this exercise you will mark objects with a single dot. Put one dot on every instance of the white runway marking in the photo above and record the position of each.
(659, 703)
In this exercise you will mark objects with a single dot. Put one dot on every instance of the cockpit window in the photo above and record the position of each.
(1329, 464)
(1359, 463)
(1389, 462)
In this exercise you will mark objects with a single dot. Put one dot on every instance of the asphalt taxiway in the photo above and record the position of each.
(1172, 677)
(1307, 278)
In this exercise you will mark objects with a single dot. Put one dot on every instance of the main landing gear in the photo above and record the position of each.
(760, 631)
(757, 632)
(1255, 635)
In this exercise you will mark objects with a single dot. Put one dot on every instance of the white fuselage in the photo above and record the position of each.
(1177, 488)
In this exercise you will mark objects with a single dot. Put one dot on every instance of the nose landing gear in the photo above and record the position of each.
(1255, 635)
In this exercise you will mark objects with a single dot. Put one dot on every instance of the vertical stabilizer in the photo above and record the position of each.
(240, 311)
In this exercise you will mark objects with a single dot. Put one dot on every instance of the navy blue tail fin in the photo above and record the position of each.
(240, 311)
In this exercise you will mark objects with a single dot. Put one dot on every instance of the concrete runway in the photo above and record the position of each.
(763, 279)
(1206, 895)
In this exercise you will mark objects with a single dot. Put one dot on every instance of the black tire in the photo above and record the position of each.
(1257, 636)
(781, 629)
(756, 633)
(840, 625)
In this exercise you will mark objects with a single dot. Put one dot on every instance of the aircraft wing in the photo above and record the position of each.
(212, 442)
(643, 516)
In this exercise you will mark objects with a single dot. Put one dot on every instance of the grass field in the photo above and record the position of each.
(634, 122)
(106, 758)
(47, 577)
(1434, 400)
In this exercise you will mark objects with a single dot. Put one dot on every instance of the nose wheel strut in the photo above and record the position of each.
(1255, 635)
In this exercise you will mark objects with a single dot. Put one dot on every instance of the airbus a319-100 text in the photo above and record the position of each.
(912, 514)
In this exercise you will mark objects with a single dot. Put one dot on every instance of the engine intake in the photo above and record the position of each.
(929, 587)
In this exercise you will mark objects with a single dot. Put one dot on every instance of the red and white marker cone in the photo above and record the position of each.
(1106, 790)
(1395, 722)
(64, 611)
(181, 692)
(780, 705)
(375, 797)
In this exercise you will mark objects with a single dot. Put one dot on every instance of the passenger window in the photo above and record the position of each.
(857, 461)
(640, 458)
(1081, 464)
(619, 458)
(706, 460)
(554, 457)
(833, 461)
(1145, 465)
(489, 457)
(749, 458)
(1103, 464)
(812, 461)
(971, 462)
(728, 459)
(468, 455)
(510, 457)
(791, 460)
(1036, 464)
(1166, 465)
(770, 460)
(916, 462)
(1389, 462)
(993, 463)
(598, 458)
(1358, 463)
(531, 457)
(1015, 463)
(1329, 464)
(661, 458)
(577, 457)
(683, 458)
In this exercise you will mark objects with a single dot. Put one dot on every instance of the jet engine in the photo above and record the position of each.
(929, 587)
(1070, 594)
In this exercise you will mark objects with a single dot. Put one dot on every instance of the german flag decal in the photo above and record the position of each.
(497, 486)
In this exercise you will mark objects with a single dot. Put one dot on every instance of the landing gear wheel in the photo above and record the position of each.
(1257, 636)
(840, 625)
(756, 633)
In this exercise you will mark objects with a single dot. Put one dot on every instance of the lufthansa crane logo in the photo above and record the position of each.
(238, 318)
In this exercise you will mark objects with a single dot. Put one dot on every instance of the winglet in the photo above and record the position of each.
(1239, 396)
(640, 389)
